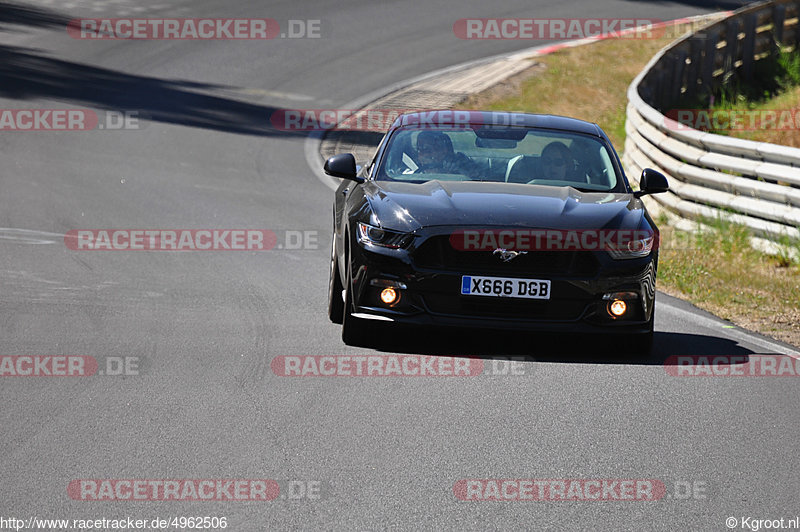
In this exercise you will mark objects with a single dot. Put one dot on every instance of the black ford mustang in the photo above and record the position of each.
(498, 220)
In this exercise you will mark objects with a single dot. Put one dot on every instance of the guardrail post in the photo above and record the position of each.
(778, 18)
(709, 60)
(693, 69)
(732, 48)
(677, 79)
(655, 86)
(795, 38)
(748, 45)
(665, 96)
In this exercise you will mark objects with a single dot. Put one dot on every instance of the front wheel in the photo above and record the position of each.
(356, 332)
(335, 288)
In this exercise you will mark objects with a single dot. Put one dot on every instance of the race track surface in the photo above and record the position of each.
(204, 327)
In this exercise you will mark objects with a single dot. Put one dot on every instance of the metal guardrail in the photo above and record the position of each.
(755, 184)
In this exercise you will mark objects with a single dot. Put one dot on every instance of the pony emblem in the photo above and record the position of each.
(506, 255)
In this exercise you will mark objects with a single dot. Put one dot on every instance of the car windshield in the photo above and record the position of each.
(500, 154)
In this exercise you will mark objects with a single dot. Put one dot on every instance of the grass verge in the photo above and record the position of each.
(717, 270)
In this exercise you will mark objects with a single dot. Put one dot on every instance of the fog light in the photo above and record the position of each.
(389, 296)
(617, 308)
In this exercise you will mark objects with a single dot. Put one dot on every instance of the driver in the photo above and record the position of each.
(436, 156)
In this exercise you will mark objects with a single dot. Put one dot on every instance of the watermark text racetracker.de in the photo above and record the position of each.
(173, 489)
(71, 366)
(554, 239)
(578, 489)
(732, 119)
(557, 28)
(69, 120)
(394, 366)
(197, 490)
(190, 239)
(379, 119)
(640, 241)
(192, 29)
(754, 365)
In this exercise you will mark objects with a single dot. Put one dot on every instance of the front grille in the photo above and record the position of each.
(437, 253)
(497, 307)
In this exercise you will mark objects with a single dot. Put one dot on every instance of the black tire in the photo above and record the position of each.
(355, 332)
(335, 288)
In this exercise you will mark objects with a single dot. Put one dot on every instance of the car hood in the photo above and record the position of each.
(409, 206)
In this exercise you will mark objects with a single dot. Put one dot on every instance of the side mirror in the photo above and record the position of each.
(343, 166)
(651, 182)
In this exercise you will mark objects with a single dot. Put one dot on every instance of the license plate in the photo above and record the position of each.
(472, 285)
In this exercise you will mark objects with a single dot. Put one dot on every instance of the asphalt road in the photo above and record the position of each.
(204, 327)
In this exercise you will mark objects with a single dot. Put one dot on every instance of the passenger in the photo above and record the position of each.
(559, 164)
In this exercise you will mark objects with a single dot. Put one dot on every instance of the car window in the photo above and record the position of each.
(512, 155)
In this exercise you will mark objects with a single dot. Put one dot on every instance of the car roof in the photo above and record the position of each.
(445, 118)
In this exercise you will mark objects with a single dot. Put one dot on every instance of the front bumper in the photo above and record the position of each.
(431, 296)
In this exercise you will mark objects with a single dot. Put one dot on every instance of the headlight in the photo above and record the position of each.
(639, 246)
(368, 234)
